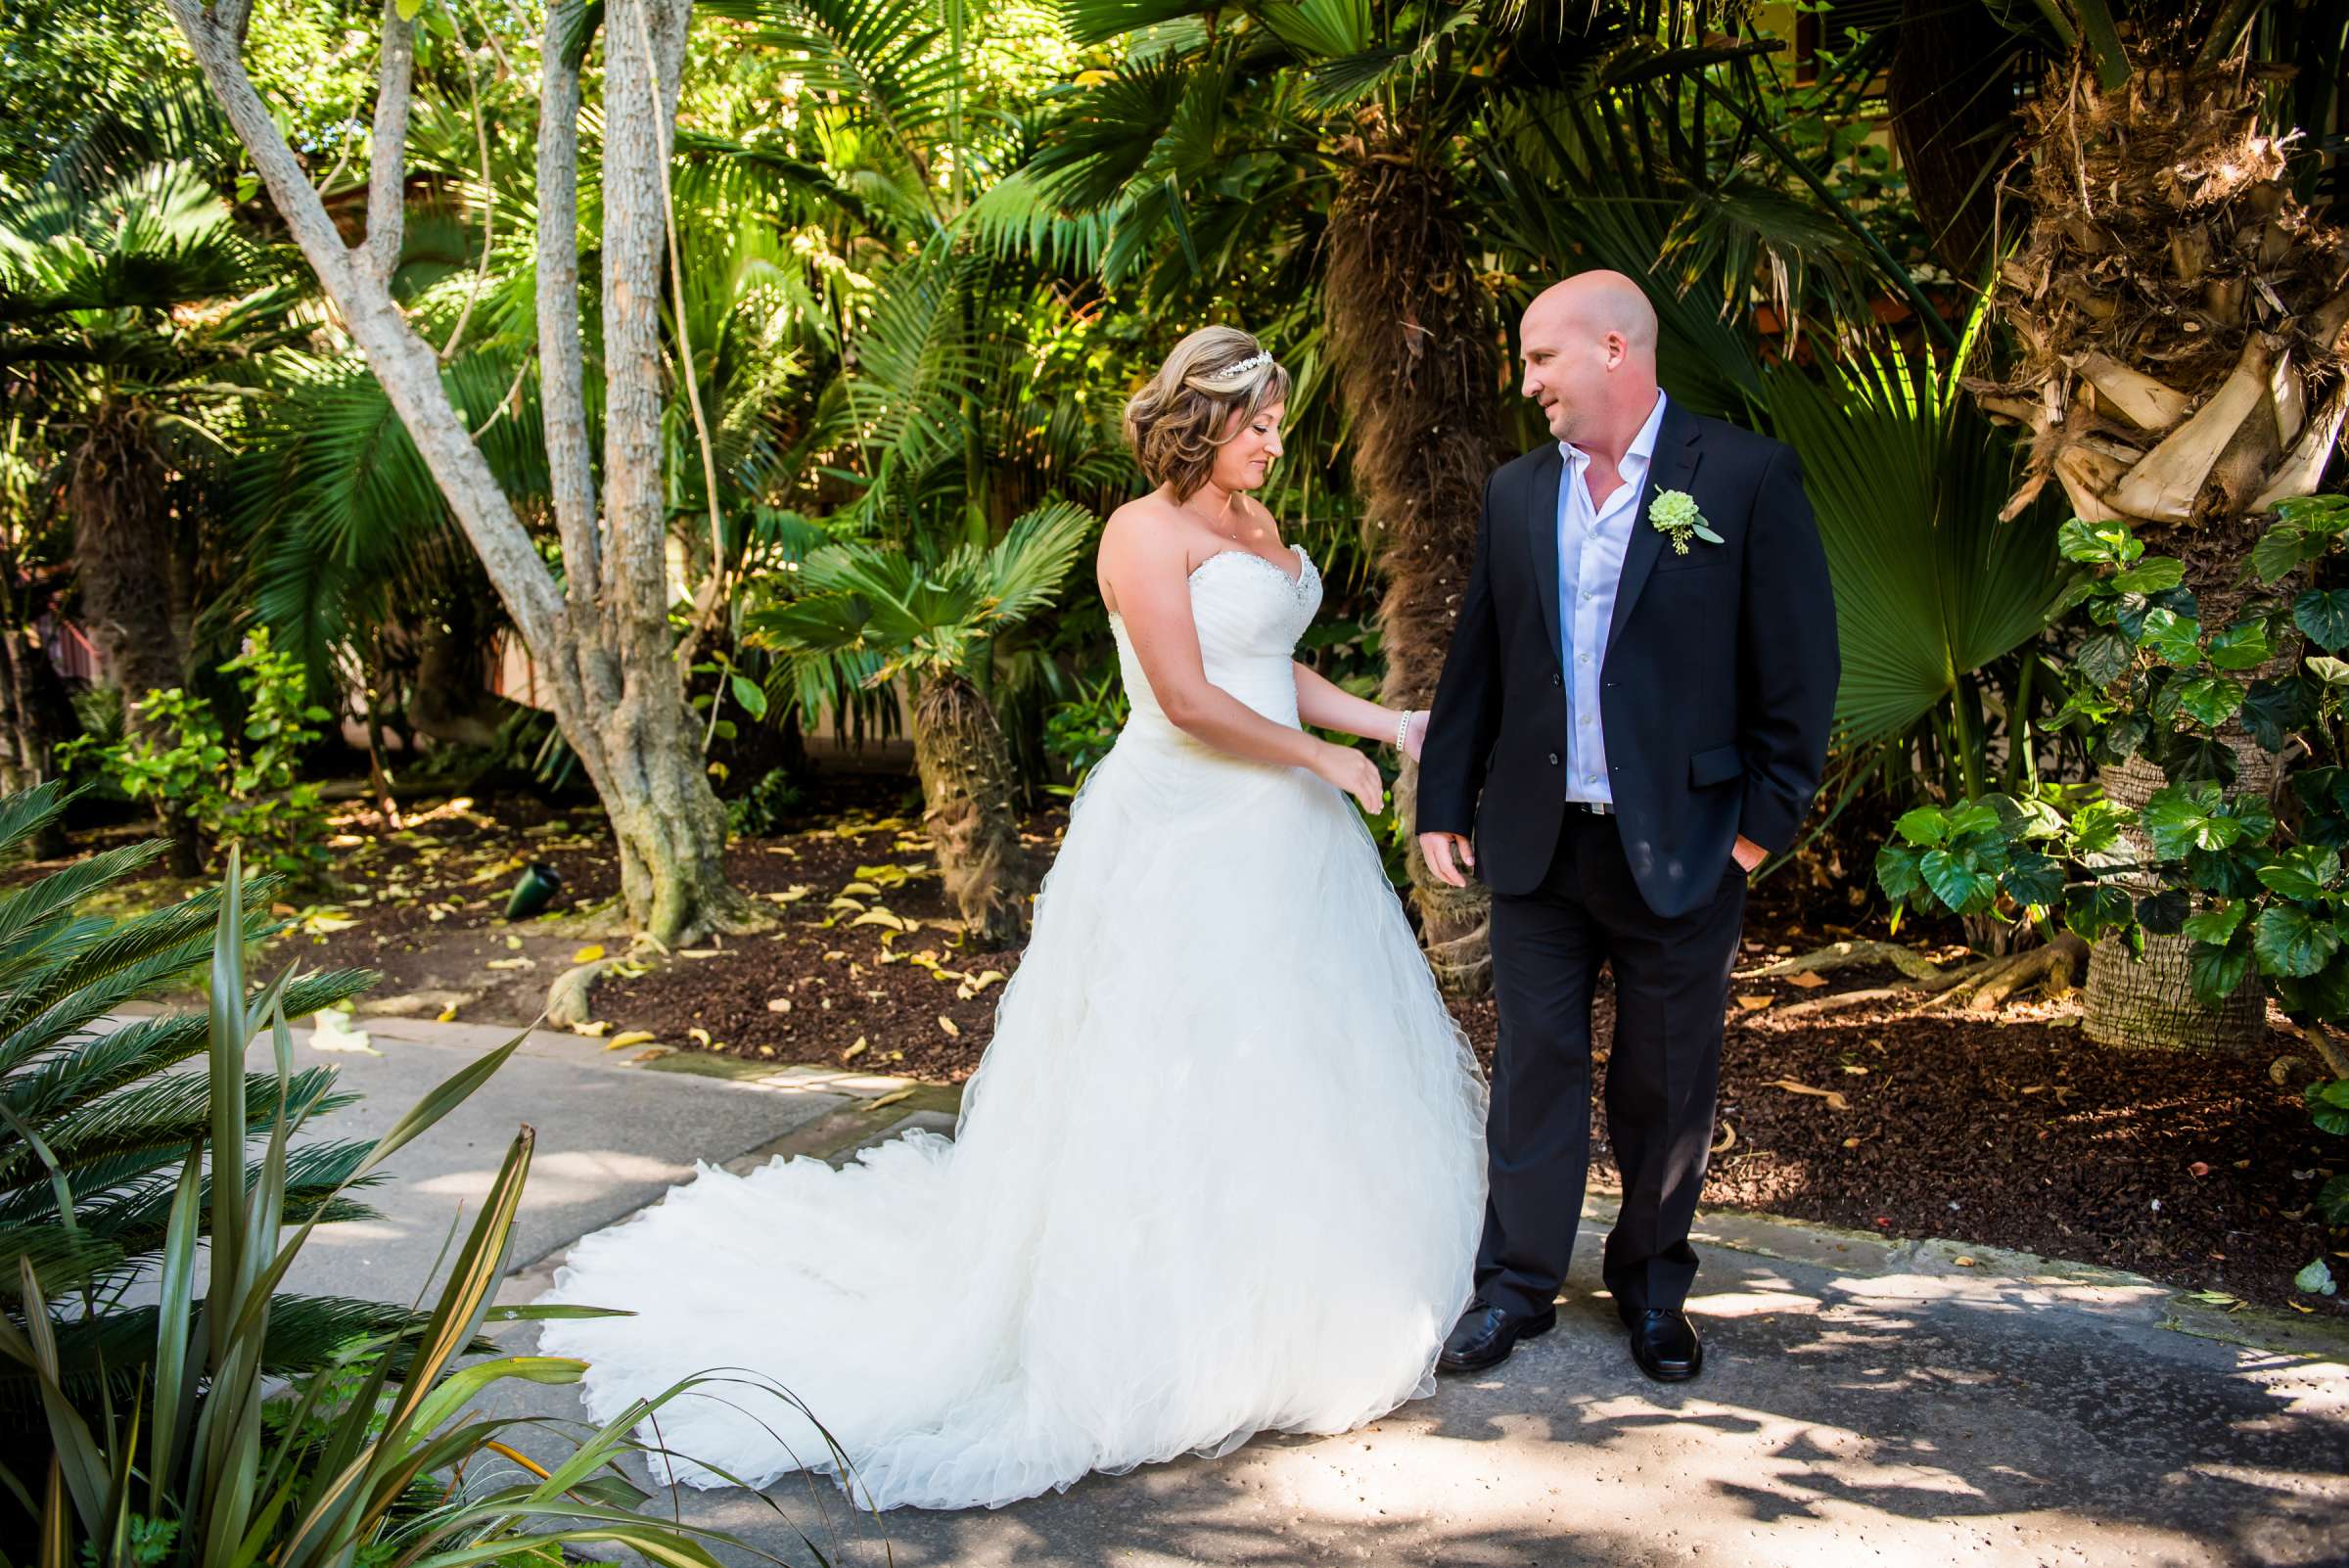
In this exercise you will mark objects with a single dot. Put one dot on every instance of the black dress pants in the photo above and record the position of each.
(1672, 980)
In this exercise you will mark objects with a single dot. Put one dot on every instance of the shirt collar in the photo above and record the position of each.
(1643, 445)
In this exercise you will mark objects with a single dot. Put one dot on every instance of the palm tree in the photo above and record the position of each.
(131, 318)
(2177, 308)
(1340, 150)
(96, 1116)
(863, 615)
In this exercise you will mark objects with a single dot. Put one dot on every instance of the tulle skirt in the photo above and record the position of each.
(1220, 1171)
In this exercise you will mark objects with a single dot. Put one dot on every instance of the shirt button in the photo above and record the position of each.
(1557, 680)
(1554, 759)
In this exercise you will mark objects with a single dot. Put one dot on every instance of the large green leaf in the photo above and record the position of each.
(1907, 480)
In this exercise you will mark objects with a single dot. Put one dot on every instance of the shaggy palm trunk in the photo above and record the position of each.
(1411, 334)
(2179, 318)
(122, 564)
(967, 794)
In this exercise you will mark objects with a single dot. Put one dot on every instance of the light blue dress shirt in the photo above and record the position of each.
(1592, 542)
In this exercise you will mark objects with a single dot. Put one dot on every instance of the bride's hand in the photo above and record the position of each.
(1353, 773)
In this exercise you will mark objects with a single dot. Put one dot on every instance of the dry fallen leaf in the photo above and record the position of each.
(1728, 1139)
(778, 1004)
(1965, 1262)
(588, 955)
(1833, 1097)
(512, 963)
(949, 1026)
(593, 1029)
(700, 1035)
(632, 1036)
(853, 1051)
(892, 1098)
(1754, 1004)
(1806, 979)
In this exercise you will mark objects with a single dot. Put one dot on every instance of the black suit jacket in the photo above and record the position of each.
(1715, 692)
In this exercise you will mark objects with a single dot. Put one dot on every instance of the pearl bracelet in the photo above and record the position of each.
(1402, 731)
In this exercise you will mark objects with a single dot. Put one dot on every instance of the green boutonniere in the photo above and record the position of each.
(1674, 514)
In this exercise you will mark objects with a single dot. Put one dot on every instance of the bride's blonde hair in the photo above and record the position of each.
(1177, 421)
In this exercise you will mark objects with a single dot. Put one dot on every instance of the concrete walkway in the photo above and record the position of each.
(1867, 1402)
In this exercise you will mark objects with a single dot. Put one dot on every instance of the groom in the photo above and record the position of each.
(1633, 716)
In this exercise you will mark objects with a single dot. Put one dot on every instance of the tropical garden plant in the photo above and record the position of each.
(860, 616)
(235, 1422)
(2248, 885)
(247, 790)
(2176, 305)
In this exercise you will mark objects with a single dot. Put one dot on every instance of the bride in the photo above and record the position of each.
(1222, 1168)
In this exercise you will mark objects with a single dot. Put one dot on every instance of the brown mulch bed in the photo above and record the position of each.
(2013, 1131)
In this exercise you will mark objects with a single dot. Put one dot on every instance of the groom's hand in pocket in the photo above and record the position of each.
(1445, 853)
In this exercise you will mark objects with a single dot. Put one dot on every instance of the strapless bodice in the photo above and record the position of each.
(1249, 615)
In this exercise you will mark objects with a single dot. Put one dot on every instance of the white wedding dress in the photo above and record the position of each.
(1220, 1171)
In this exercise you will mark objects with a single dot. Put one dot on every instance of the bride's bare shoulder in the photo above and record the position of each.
(1147, 528)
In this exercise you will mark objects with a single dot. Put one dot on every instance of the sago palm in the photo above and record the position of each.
(862, 614)
(96, 1114)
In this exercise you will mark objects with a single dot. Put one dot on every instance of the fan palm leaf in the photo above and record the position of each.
(1907, 480)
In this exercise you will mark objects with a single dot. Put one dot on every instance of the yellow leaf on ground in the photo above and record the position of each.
(991, 976)
(949, 1026)
(1833, 1097)
(853, 1051)
(1754, 1004)
(594, 1029)
(588, 955)
(845, 903)
(892, 1098)
(778, 1004)
(631, 1036)
(446, 1015)
(1806, 979)
(1965, 1262)
(879, 915)
(1855, 1068)
(699, 1034)
(862, 888)
(512, 963)
(792, 893)
(513, 940)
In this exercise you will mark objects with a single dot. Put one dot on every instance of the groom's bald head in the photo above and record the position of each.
(1590, 349)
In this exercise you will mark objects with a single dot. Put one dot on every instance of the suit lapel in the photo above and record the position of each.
(1542, 534)
(1671, 468)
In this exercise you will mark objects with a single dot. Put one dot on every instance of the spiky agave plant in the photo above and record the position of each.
(161, 1443)
(96, 1116)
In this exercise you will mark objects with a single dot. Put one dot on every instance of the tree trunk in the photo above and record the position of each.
(2149, 1002)
(2179, 315)
(603, 654)
(967, 791)
(1412, 335)
(123, 561)
(121, 554)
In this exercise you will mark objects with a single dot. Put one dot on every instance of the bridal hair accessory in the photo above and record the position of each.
(1254, 362)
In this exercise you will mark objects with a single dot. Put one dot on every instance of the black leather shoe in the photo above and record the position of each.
(1484, 1335)
(1665, 1345)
